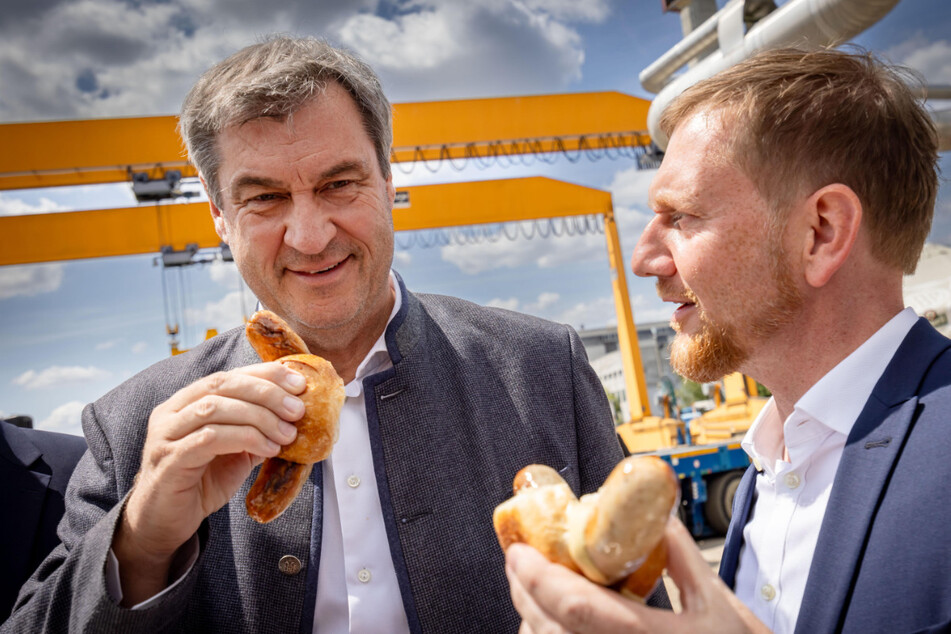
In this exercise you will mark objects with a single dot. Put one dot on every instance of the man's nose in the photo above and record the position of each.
(651, 257)
(308, 227)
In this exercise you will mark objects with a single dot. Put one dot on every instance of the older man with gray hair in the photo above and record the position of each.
(445, 401)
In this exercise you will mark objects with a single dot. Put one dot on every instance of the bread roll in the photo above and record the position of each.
(613, 537)
(318, 429)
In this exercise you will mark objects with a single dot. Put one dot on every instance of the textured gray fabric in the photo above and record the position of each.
(474, 395)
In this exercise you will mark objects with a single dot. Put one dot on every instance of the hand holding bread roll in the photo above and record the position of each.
(282, 477)
(613, 537)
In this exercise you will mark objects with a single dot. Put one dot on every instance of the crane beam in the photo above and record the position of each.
(95, 151)
(148, 228)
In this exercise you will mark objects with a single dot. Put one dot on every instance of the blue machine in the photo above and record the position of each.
(709, 475)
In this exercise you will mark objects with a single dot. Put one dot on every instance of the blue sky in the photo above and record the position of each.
(74, 330)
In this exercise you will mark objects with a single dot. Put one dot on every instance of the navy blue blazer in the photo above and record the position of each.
(34, 469)
(882, 561)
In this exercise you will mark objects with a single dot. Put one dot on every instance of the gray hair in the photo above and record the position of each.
(275, 79)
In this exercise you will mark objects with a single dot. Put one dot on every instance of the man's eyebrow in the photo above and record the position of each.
(250, 180)
(342, 167)
(254, 181)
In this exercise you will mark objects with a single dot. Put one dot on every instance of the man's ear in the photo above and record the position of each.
(390, 189)
(833, 218)
(217, 216)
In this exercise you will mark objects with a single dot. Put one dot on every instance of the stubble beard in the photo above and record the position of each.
(718, 349)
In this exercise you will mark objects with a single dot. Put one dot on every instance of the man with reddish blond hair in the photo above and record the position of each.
(797, 189)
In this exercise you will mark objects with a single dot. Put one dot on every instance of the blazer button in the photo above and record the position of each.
(289, 565)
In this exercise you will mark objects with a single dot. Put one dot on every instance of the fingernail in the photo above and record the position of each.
(294, 406)
(287, 429)
(273, 446)
(296, 380)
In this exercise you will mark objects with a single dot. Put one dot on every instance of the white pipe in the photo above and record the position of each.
(657, 74)
(813, 23)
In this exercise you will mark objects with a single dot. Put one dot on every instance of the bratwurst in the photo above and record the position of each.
(613, 537)
(281, 478)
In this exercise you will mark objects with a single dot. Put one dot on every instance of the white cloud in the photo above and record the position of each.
(597, 313)
(547, 299)
(225, 274)
(415, 41)
(106, 345)
(629, 187)
(538, 307)
(601, 312)
(571, 10)
(139, 347)
(103, 58)
(30, 279)
(59, 376)
(930, 58)
(17, 207)
(511, 303)
(66, 419)
(447, 49)
(650, 309)
(402, 258)
(222, 315)
(541, 252)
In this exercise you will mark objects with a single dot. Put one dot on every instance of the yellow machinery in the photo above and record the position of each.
(737, 406)
(123, 150)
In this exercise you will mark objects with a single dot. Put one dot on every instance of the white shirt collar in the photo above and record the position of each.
(835, 401)
(378, 358)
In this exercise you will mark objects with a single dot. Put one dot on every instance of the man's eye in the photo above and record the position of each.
(338, 184)
(264, 198)
(675, 220)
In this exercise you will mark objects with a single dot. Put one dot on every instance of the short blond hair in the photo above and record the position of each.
(806, 119)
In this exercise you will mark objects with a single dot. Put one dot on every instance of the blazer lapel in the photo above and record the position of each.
(870, 453)
(742, 502)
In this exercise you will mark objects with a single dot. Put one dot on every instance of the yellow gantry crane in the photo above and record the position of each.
(149, 149)
(147, 153)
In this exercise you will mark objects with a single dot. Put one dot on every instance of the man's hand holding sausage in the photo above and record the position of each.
(551, 598)
(201, 446)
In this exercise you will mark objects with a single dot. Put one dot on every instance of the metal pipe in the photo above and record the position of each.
(942, 121)
(934, 91)
(657, 74)
(814, 23)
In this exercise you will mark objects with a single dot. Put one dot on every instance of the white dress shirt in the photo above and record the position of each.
(780, 538)
(357, 588)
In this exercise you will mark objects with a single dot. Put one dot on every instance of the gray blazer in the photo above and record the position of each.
(474, 395)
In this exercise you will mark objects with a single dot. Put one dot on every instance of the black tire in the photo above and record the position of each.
(719, 506)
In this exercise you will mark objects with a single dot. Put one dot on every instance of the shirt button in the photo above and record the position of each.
(364, 576)
(793, 480)
(353, 481)
(768, 592)
(289, 565)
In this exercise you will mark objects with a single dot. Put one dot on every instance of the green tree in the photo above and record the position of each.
(615, 402)
(689, 392)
